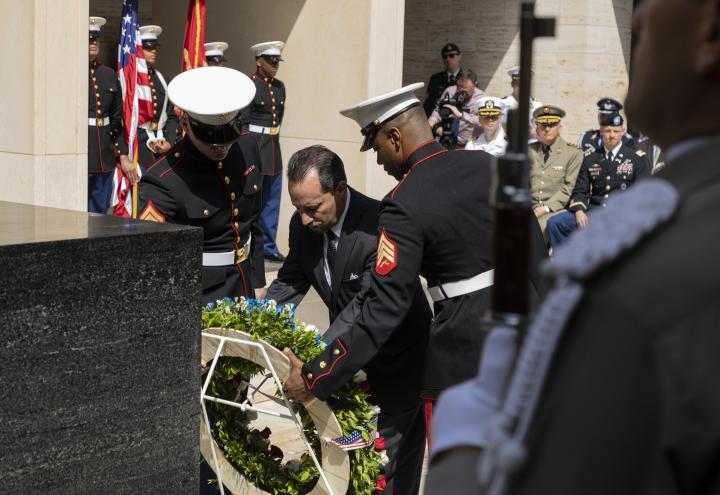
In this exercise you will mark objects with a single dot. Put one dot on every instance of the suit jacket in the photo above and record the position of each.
(395, 374)
(631, 404)
(437, 84)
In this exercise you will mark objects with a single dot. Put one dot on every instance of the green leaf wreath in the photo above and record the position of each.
(249, 450)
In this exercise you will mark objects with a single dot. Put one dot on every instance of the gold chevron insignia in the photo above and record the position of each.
(386, 255)
(152, 214)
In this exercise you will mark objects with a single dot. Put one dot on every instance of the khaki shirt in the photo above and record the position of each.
(552, 181)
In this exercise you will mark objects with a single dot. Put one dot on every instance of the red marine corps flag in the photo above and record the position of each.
(193, 54)
(136, 102)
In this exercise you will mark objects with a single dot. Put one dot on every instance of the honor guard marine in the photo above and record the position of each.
(266, 116)
(104, 123)
(211, 179)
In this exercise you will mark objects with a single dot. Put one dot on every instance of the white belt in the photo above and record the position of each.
(461, 287)
(264, 130)
(227, 258)
(99, 122)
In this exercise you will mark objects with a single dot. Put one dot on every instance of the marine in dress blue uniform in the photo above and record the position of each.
(437, 223)
(104, 124)
(266, 116)
(215, 53)
(164, 125)
(211, 179)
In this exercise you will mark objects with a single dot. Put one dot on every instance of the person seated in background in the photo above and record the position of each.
(613, 167)
(451, 57)
(554, 166)
(510, 101)
(592, 140)
(490, 136)
(455, 116)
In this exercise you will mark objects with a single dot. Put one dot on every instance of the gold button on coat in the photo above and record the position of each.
(309, 375)
(336, 352)
(227, 180)
(323, 364)
(205, 213)
(232, 196)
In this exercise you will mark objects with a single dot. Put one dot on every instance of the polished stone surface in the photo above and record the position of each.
(99, 345)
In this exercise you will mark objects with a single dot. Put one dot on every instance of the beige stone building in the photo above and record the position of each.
(338, 52)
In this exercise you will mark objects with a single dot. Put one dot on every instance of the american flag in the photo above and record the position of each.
(355, 440)
(137, 99)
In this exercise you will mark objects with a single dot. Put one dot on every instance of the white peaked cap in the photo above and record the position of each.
(373, 113)
(150, 32)
(268, 48)
(211, 95)
(215, 48)
(95, 23)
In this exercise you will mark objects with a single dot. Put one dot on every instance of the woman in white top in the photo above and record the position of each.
(491, 135)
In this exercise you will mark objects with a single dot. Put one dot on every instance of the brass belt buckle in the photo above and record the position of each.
(100, 122)
(153, 126)
(241, 254)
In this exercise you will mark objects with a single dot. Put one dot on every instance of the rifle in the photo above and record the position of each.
(510, 197)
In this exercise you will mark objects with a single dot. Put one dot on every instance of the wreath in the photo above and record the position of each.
(249, 450)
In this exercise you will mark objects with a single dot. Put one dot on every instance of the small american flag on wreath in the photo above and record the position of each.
(355, 440)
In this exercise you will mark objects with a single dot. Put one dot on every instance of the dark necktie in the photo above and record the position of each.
(546, 153)
(609, 156)
(331, 250)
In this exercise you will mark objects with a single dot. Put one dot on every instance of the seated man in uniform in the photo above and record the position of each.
(613, 167)
(490, 136)
(333, 241)
(554, 167)
(592, 140)
(211, 179)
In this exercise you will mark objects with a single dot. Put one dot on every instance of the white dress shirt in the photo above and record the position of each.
(496, 147)
(336, 229)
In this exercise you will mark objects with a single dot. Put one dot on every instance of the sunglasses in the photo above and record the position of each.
(450, 55)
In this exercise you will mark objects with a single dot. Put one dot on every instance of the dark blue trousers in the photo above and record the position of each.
(271, 192)
(99, 191)
(560, 227)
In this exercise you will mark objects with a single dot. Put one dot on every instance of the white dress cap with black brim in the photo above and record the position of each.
(211, 95)
(150, 33)
(270, 48)
(373, 113)
(216, 49)
(95, 23)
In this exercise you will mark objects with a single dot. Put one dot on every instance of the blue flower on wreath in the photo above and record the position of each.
(318, 340)
(209, 306)
(228, 300)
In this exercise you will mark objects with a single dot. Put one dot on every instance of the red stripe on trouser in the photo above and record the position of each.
(428, 421)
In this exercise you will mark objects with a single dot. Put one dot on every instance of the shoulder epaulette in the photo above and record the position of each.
(640, 153)
(573, 145)
(590, 152)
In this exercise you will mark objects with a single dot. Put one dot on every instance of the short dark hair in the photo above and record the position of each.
(467, 74)
(328, 166)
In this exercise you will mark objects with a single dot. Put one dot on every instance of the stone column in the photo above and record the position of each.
(43, 150)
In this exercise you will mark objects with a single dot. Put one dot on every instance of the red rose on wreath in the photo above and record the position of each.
(380, 443)
(380, 484)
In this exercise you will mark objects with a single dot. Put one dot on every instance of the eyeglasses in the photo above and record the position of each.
(450, 55)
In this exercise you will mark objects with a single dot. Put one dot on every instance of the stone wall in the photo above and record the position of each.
(588, 58)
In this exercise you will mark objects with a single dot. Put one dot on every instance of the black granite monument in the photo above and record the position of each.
(99, 353)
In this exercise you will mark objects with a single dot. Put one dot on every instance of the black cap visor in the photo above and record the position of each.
(150, 44)
(94, 35)
(370, 131)
(217, 134)
(272, 59)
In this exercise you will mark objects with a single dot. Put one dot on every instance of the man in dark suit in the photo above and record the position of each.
(440, 81)
(333, 241)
